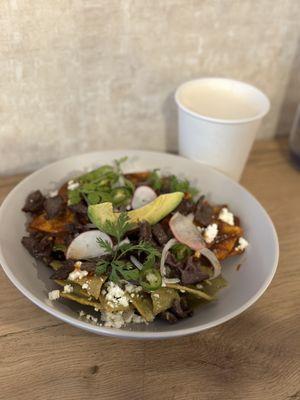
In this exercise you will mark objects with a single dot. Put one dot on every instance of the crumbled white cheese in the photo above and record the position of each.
(77, 274)
(53, 193)
(72, 185)
(156, 295)
(128, 208)
(131, 318)
(130, 288)
(92, 319)
(199, 286)
(120, 319)
(96, 309)
(85, 286)
(89, 318)
(113, 320)
(77, 264)
(68, 288)
(115, 295)
(210, 233)
(200, 229)
(54, 295)
(226, 216)
(242, 244)
(137, 319)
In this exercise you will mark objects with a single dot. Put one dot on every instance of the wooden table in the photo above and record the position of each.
(254, 356)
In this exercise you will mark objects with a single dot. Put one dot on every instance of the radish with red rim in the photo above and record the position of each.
(142, 196)
(186, 232)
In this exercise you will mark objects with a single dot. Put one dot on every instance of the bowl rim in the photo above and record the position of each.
(125, 333)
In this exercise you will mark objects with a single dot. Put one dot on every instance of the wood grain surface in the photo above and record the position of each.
(254, 356)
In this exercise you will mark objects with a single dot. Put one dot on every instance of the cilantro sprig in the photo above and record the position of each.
(118, 228)
(118, 267)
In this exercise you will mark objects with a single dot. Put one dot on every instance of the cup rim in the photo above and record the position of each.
(196, 115)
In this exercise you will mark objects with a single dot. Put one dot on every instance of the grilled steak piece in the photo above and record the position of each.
(34, 202)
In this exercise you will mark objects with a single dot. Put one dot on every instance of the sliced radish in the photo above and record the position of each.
(210, 255)
(142, 196)
(186, 232)
(164, 254)
(86, 246)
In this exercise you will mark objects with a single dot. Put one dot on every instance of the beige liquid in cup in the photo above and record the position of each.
(218, 102)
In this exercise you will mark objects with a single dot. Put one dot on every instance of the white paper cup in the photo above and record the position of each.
(218, 120)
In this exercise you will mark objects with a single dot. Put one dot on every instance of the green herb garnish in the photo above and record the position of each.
(101, 185)
(181, 185)
(117, 267)
(155, 180)
(118, 228)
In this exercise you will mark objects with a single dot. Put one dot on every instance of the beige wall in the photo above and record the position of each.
(94, 74)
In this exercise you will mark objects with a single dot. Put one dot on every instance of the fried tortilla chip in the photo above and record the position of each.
(143, 306)
(198, 293)
(82, 300)
(163, 298)
(224, 248)
(76, 288)
(94, 284)
(55, 225)
(230, 230)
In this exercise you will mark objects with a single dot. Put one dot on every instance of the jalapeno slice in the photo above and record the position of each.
(150, 279)
(181, 251)
(120, 195)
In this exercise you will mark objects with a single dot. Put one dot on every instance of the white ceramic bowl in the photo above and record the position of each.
(245, 285)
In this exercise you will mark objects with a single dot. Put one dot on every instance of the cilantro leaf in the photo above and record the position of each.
(113, 275)
(118, 164)
(129, 185)
(142, 247)
(105, 245)
(130, 275)
(181, 185)
(119, 228)
(155, 180)
(101, 267)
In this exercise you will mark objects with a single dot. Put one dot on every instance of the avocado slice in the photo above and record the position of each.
(152, 212)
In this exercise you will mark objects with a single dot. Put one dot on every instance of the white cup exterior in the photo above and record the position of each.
(221, 143)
